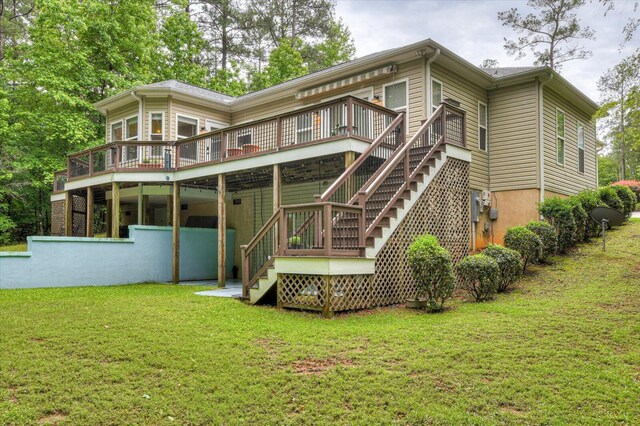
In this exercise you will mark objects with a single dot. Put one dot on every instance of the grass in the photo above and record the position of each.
(562, 348)
(14, 247)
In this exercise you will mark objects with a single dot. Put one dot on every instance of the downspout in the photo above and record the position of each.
(541, 85)
(427, 83)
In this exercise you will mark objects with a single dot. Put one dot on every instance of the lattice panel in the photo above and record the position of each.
(79, 216)
(348, 292)
(442, 210)
(302, 291)
(57, 217)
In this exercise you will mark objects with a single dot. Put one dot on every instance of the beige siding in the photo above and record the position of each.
(200, 112)
(120, 114)
(565, 179)
(468, 94)
(155, 105)
(513, 140)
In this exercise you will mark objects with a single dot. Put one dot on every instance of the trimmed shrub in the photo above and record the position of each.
(627, 197)
(509, 261)
(633, 185)
(432, 269)
(610, 198)
(547, 234)
(590, 199)
(559, 213)
(580, 218)
(525, 242)
(479, 276)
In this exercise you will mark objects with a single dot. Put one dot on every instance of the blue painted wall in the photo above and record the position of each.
(145, 256)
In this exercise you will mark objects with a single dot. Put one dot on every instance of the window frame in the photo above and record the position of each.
(580, 126)
(125, 128)
(121, 123)
(393, 83)
(563, 137)
(178, 137)
(485, 127)
(435, 106)
(150, 127)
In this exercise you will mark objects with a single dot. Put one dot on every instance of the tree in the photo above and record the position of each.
(183, 43)
(550, 34)
(285, 63)
(336, 48)
(489, 63)
(620, 111)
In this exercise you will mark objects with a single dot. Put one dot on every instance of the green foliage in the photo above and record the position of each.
(609, 197)
(432, 270)
(627, 197)
(580, 217)
(338, 47)
(607, 169)
(184, 43)
(525, 242)
(509, 261)
(559, 213)
(589, 199)
(285, 63)
(479, 276)
(547, 234)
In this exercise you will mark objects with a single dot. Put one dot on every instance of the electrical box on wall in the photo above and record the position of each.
(476, 206)
(493, 214)
(486, 198)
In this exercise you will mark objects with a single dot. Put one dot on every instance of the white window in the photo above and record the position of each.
(396, 96)
(156, 126)
(116, 131)
(131, 128)
(214, 144)
(560, 124)
(482, 126)
(436, 94)
(580, 147)
(187, 127)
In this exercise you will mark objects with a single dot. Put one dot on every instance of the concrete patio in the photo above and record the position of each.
(233, 288)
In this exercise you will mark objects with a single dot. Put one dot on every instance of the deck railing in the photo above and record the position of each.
(59, 179)
(302, 230)
(348, 117)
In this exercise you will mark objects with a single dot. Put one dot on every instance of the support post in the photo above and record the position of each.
(89, 223)
(68, 214)
(277, 187)
(140, 206)
(176, 234)
(350, 189)
(115, 210)
(222, 231)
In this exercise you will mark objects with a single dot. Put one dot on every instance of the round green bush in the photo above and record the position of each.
(559, 213)
(627, 197)
(610, 198)
(580, 218)
(590, 199)
(547, 234)
(479, 276)
(432, 269)
(509, 261)
(525, 242)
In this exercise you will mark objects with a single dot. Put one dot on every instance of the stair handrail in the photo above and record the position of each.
(401, 154)
(247, 281)
(361, 159)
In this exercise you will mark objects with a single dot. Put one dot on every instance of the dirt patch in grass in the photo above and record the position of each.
(511, 409)
(271, 346)
(53, 418)
(316, 366)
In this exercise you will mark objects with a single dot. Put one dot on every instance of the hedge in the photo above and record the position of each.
(509, 261)
(547, 234)
(525, 242)
(627, 197)
(559, 213)
(479, 276)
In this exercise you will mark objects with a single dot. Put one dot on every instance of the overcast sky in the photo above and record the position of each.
(471, 29)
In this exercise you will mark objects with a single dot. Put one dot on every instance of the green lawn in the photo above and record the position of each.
(562, 348)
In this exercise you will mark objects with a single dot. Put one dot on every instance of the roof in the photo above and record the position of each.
(486, 77)
(189, 89)
(500, 72)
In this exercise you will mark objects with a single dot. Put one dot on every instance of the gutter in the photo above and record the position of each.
(427, 83)
(541, 85)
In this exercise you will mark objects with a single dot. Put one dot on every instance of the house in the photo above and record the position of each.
(326, 178)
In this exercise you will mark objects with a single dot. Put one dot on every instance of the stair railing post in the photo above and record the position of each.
(283, 232)
(362, 224)
(245, 271)
(328, 230)
(443, 120)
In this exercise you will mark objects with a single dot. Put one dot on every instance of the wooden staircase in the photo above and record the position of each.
(344, 223)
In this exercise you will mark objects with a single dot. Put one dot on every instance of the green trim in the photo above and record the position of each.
(15, 254)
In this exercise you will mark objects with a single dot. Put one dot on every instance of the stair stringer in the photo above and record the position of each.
(448, 151)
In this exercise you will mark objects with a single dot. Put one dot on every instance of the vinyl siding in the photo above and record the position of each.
(513, 140)
(200, 112)
(565, 179)
(468, 94)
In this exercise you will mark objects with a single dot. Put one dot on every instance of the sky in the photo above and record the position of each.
(471, 29)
